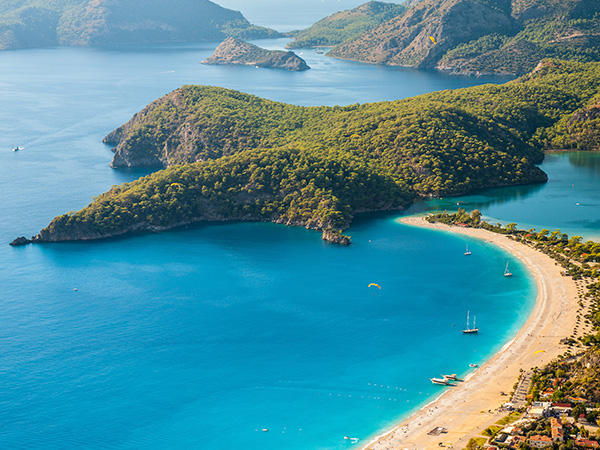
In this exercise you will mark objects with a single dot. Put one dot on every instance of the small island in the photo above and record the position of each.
(233, 51)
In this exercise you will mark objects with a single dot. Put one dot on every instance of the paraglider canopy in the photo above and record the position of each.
(432, 39)
(373, 284)
(539, 351)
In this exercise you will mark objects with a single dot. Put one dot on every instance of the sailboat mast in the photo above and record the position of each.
(467, 320)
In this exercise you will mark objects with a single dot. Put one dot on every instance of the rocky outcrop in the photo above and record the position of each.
(234, 51)
(336, 237)
(20, 241)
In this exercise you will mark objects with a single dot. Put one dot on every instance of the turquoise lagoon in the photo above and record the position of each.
(201, 337)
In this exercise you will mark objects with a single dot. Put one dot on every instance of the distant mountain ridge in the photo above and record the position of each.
(344, 25)
(43, 23)
(233, 51)
(481, 36)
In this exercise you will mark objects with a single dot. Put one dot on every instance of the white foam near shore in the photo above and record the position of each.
(471, 407)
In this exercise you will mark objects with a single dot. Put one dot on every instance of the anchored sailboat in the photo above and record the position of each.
(467, 252)
(470, 330)
(507, 273)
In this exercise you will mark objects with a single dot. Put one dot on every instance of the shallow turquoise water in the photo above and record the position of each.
(222, 330)
(569, 201)
(181, 339)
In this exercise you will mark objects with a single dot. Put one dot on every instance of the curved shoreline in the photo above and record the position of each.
(471, 407)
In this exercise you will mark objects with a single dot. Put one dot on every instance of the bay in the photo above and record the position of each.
(569, 201)
(202, 337)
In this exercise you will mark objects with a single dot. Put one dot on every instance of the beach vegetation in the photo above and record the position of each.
(491, 430)
(510, 418)
(476, 443)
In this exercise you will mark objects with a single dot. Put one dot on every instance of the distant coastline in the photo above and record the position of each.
(470, 407)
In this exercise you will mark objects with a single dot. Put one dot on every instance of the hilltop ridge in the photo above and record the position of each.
(344, 25)
(481, 36)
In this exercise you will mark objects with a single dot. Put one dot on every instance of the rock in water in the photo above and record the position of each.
(336, 237)
(233, 51)
(20, 241)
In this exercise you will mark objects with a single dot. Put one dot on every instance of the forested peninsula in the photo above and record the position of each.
(345, 25)
(45, 23)
(479, 36)
(234, 156)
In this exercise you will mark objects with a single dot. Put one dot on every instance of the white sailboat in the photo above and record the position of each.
(468, 330)
(467, 252)
(507, 273)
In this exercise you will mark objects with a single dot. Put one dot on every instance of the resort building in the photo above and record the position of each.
(557, 430)
(540, 442)
(517, 441)
(585, 443)
(537, 412)
(511, 430)
(561, 408)
(501, 438)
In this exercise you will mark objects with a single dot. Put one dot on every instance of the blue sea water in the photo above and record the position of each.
(201, 337)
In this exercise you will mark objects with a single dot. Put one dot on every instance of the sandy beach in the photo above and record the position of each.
(470, 407)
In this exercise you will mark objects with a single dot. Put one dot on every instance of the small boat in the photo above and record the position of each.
(470, 330)
(472, 365)
(265, 429)
(467, 252)
(16, 149)
(442, 381)
(319, 51)
(507, 273)
(450, 377)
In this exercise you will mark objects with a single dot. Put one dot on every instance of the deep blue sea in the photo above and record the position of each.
(199, 338)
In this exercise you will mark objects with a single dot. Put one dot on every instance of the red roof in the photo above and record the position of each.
(586, 443)
(541, 439)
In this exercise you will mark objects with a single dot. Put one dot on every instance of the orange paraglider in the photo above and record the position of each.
(539, 351)
(432, 39)
(373, 284)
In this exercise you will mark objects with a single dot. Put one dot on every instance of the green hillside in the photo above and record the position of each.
(40, 23)
(316, 166)
(482, 36)
(344, 25)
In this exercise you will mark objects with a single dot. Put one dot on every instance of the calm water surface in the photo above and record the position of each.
(569, 201)
(201, 337)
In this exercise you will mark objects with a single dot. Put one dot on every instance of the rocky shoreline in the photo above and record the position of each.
(330, 235)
